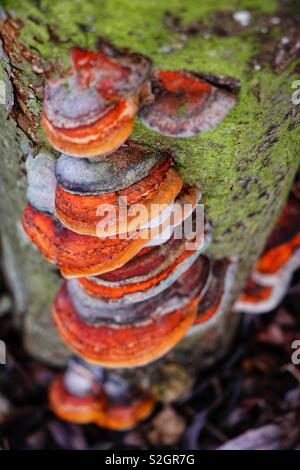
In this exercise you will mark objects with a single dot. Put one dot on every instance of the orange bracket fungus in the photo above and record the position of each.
(258, 298)
(147, 274)
(75, 407)
(88, 394)
(130, 200)
(78, 255)
(281, 257)
(90, 111)
(282, 245)
(128, 336)
(264, 292)
(89, 301)
(185, 104)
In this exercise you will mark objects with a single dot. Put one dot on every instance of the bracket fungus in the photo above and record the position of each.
(118, 211)
(92, 301)
(73, 407)
(264, 292)
(273, 272)
(282, 244)
(87, 394)
(185, 104)
(41, 229)
(124, 346)
(90, 111)
(78, 255)
(147, 274)
(258, 298)
(133, 335)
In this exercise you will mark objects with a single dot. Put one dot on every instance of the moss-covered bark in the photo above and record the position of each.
(244, 166)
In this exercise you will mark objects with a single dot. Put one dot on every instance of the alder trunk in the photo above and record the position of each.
(244, 166)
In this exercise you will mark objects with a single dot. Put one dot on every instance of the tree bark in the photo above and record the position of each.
(244, 166)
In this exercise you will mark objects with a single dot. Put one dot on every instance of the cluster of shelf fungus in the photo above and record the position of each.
(119, 223)
(273, 272)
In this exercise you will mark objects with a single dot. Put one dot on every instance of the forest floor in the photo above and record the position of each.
(249, 401)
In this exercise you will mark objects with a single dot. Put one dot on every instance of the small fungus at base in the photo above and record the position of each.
(114, 406)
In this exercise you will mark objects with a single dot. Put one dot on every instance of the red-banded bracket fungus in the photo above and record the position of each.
(41, 182)
(121, 415)
(74, 407)
(259, 298)
(85, 301)
(90, 111)
(185, 104)
(77, 395)
(133, 335)
(264, 292)
(87, 394)
(43, 231)
(129, 202)
(80, 255)
(282, 245)
(146, 275)
(281, 257)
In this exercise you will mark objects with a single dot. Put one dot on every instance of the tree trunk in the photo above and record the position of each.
(244, 166)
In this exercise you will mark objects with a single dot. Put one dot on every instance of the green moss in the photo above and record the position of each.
(138, 25)
(239, 163)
